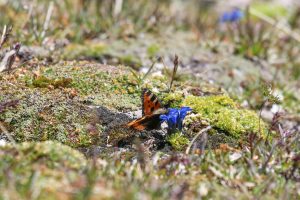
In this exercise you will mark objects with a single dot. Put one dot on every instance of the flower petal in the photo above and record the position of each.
(163, 118)
(183, 111)
(232, 16)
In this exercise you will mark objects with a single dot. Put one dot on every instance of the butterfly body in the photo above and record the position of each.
(151, 110)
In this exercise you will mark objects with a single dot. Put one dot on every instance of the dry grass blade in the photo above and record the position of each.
(9, 58)
(176, 63)
(47, 20)
(149, 70)
(187, 151)
(5, 35)
(118, 7)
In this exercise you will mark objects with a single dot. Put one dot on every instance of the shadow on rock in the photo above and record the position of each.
(116, 134)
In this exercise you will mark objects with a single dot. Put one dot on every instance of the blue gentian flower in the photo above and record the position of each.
(233, 16)
(182, 113)
(175, 117)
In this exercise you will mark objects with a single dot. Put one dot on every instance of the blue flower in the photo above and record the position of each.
(233, 16)
(182, 113)
(175, 117)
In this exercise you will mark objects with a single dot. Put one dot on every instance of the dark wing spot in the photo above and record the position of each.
(153, 98)
(152, 109)
(147, 92)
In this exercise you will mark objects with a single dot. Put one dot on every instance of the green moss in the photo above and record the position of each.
(178, 141)
(106, 86)
(223, 114)
(43, 82)
(51, 115)
(38, 166)
(61, 114)
(174, 99)
(52, 154)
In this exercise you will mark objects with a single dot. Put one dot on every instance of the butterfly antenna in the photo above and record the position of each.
(176, 62)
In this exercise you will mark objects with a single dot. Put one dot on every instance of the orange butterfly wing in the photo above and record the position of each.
(150, 103)
(138, 124)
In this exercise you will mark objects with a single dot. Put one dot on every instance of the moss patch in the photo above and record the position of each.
(53, 106)
(49, 115)
(38, 166)
(178, 141)
(174, 99)
(44, 82)
(223, 114)
(100, 84)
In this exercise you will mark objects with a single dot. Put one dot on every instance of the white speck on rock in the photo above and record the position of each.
(276, 108)
(2, 142)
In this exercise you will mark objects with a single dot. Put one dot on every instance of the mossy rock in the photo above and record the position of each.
(40, 167)
(55, 105)
(100, 84)
(44, 115)
(223, 114)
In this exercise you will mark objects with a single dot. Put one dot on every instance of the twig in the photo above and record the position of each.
(176, 62)
(5, 35)
(187, 151)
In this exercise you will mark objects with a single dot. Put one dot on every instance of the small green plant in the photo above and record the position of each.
(268, 95)
(178, 141)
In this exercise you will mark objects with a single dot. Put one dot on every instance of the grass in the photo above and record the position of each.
(65, 150)
(218, 174)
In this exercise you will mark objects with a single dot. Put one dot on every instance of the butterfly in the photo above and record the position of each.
(152, 108)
